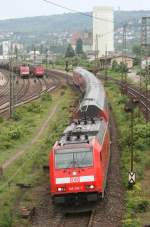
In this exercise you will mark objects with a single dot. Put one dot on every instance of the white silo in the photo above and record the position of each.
(103, 30)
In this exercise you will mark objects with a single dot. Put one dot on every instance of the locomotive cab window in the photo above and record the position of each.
(73, 158)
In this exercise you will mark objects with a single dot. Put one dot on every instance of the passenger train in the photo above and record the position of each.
(79, 160)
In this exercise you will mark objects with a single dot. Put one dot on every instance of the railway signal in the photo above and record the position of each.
(132, 179)
(129, 107)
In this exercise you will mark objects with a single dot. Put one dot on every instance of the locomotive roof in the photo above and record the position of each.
(95, 93)
(82, 131)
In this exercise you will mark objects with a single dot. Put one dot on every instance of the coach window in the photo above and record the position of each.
(102, 132)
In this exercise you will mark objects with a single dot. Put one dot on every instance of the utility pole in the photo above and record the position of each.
(11, 98)
(46, 62)
(144, 51)
(96, 49)
(124, 57)
(106, 64)
(41, 54)
(34, 58)
(14, 76)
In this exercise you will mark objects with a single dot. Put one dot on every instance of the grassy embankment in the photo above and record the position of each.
(28, 168)
(117, 75)
(137, 201)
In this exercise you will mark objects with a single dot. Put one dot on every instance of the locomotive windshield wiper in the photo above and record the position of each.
(83, 159)
(75, 161)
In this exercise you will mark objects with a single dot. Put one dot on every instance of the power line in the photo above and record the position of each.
(76, 11)
(83, 14)
(87, 15)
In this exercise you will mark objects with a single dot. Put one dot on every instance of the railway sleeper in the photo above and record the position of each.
(24, 186)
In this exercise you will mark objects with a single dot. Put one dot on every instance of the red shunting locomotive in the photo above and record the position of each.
(24, 71)
(79, 161)
(37, 71)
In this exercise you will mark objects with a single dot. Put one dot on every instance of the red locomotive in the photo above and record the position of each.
(79, 160)
(24, 71)
(37, 71)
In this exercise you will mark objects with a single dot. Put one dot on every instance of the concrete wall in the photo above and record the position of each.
(103, 30)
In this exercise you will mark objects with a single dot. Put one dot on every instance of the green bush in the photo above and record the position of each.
(142, 206)
(6, 144)
(7, 219)
(138, 205)
(142, 131)
(14, 133)
(122, 99)
(16, 116)
(63, 87)
(1, 119)
(131, 223)
(62, 93)
(46, 96)
(34, 108)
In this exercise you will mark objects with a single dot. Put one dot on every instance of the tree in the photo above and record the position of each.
(123, 67)
(137, 50)
(70, 52)
(79, 47)
(115, 66)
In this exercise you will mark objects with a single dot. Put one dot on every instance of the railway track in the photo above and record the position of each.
(142, 98)
(30, 89)
(136, 94)
(84, 219)
(107, 213)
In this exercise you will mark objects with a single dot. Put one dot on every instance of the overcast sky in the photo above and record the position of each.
(28, 8)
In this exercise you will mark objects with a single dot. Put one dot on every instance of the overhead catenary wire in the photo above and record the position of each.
(76, 11)
(83, 14)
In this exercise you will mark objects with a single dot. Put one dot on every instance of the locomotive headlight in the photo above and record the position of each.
(61, 189)
(91, 186)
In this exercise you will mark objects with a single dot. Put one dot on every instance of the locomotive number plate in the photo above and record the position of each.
(75, 188)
